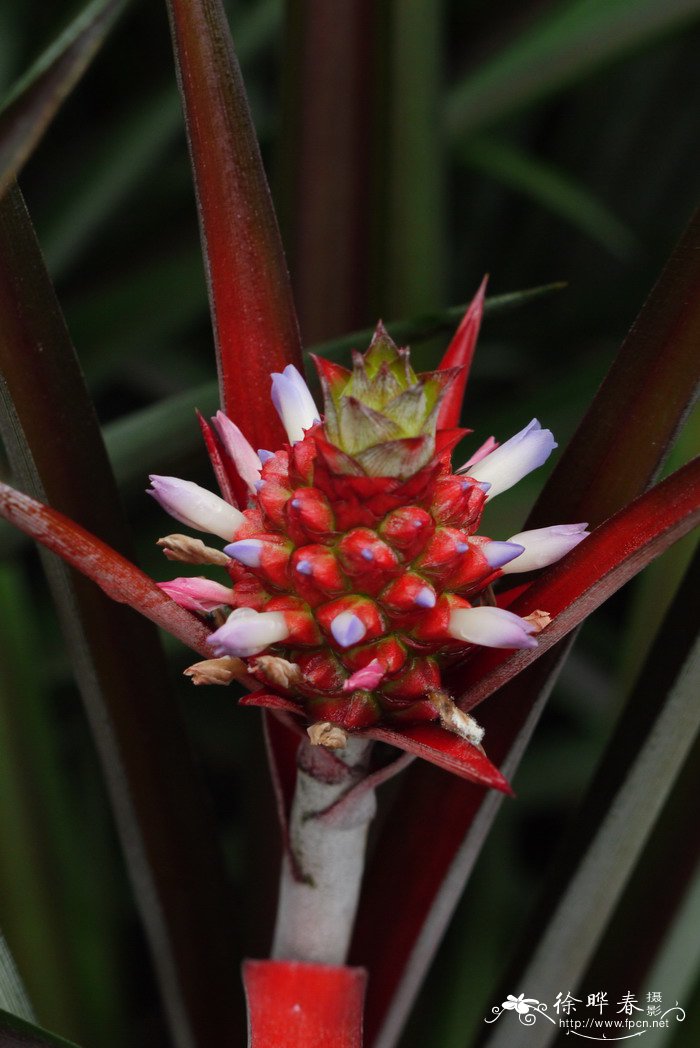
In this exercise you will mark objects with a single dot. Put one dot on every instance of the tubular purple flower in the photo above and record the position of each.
(510, 462)
(491, 627)
(247, 632)
(197, 594)
(545, 546)
(244, 457)
(293, 403)
(195, 506)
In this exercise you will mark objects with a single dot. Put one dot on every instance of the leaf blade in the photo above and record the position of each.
(159, 802)
(592, 572)
(38, 95)
(255, 324)
(672, 307)
(648, 748)
(566, 43)
(121, 580)
(19, 1033)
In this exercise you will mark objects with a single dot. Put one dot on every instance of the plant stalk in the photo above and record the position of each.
(324, 862)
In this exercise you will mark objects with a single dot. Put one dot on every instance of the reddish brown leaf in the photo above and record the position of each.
(54, 445)
(652, 381)
(429, 741)
(592, 572)
(616, 550)
(255, 324)
(118, 577)
(446, 750)
(323, 160)
(638, 410)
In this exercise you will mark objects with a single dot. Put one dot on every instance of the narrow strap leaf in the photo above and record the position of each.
(159, 802)
(13, 995)
(323, 159)
(36, 98)
(18, 1033)
(255, 324)
(572, 589)
(633, 421)
(115, 575)
(663, 337)
(642, 760)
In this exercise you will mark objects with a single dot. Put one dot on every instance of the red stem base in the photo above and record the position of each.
(295, 1005)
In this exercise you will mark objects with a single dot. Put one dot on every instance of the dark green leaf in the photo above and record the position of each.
(551, 187)
(17, 1033)
(565, 43)
(34, 101)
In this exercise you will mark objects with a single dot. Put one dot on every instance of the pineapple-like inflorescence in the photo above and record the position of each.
(356, 572)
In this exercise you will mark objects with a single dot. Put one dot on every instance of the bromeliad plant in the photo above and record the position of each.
(362, 604)
(358, 576)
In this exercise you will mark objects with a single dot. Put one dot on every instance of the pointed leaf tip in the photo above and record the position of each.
(254, 320)
(447, 751)
(460, 354)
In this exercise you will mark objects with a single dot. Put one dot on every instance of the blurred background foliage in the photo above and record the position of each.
(539, 142)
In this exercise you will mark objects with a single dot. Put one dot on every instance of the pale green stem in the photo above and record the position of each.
(322, 870)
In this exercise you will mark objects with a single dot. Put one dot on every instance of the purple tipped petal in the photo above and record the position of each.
(500, 553)
(295, 503)
(195, 506)
(304, 567)
(510, 462)
(545, 546)
(367, 554)
(425, 598)
(247, 632)
(491, 627)
(293, 403)
(264, 456)
(246, 551)
(461, 547)
(348, 629)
